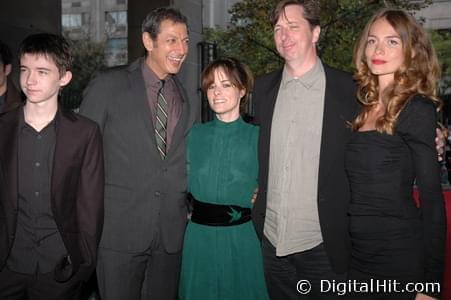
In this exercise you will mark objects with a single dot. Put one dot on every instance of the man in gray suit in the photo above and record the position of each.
(145, 167)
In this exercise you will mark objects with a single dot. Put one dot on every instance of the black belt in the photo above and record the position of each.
(218, 214)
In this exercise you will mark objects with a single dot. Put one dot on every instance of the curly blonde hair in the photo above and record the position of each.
(419, 73)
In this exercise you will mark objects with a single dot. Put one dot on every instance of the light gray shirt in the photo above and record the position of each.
(292, 221)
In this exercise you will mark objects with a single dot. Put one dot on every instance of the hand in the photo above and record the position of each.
(440, 142)
(420, 296)
(254, 195)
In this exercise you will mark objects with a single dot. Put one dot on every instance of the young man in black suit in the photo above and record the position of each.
(51, 182)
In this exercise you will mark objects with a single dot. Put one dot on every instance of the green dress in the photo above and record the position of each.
(222, 262)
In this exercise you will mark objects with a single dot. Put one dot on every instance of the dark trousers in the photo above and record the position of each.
(383, 294)
(299, 275)
(18, 286)
(153, 274)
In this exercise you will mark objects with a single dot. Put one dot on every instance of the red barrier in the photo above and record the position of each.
(446, 287)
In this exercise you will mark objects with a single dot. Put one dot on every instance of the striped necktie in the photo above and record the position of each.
(161, 121)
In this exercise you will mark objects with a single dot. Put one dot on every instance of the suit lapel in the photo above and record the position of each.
(271, 96)
(181, 128)
(8, 153)
(333, 126)
(140, 104)
(61, 155)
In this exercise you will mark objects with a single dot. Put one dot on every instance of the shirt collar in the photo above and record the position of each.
(23, 124)
(150, 78)
(307, 80)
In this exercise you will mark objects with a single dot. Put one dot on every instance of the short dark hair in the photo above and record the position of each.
(6, 57)
(237, 72)
(50, 45)
(152, 21)
(311, 11)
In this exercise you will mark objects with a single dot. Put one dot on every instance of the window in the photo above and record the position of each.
(116, 51)
(116, 23)
(71, 20)
(116, 17)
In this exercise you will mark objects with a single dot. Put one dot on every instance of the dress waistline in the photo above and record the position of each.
(217, 214)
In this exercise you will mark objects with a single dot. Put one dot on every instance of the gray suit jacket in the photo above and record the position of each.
(144, 195)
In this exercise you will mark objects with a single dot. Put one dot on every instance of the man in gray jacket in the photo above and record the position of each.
(144, 116)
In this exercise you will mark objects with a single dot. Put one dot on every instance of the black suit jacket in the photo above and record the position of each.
(76, 189)
(144, 194)
(340, 107)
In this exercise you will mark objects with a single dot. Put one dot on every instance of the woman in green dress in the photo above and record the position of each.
(221, 253)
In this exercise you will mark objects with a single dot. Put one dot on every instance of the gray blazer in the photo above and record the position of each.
(144, 195)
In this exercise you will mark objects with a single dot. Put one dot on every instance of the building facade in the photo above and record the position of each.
(101, 21)
(437, 16)
(215, 12)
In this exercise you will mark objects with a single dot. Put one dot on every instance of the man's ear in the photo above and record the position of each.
(147, 41)
(316, 32)
(65, 78)
(7, 69)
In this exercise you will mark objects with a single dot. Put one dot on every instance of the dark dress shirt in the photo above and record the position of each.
(170, 93)
(38, 245)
